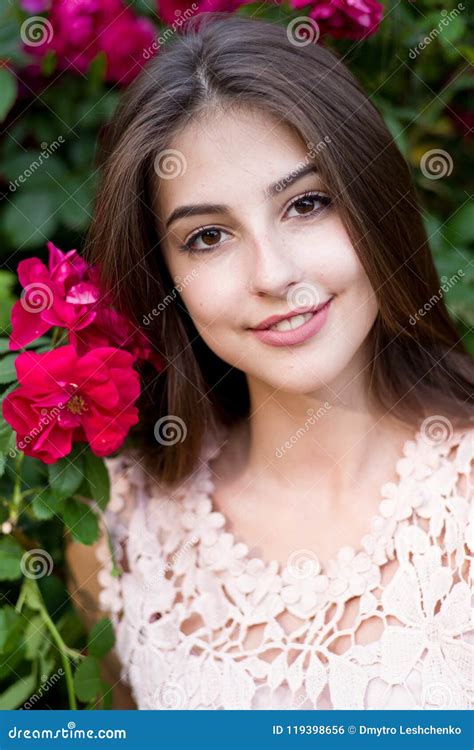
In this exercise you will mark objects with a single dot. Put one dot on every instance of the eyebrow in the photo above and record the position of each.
(215, 208)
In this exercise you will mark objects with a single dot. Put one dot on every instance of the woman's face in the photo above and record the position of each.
(259, 255)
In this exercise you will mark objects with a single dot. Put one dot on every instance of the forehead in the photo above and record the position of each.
(225, 154)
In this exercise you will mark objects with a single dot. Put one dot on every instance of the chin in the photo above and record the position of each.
(296, 383)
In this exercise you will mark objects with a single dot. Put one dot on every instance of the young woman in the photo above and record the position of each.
(290, 528)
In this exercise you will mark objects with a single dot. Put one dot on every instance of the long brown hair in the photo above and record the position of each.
(419, 364)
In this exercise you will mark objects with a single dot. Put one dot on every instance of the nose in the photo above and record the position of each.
(273, 267)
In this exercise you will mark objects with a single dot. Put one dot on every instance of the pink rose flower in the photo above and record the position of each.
(60, 295)
(172, 10)
(35, 6)
(353, 19)
(83, 28)
(64, 398)
(110, 328)
(67, 294)
(124, 42)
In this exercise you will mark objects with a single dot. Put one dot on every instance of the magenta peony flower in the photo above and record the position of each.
(172, 10)
(60, 295)
(124, 44)
(81, 29)
(64, 398)
(353, 19)
(35, 6)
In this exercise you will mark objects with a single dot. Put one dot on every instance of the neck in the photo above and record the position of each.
(332, 434)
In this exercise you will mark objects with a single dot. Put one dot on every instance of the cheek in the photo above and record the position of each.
(342, 274)
(211, 298)
(336, 264)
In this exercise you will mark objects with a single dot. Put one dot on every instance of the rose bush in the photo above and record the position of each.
(70, 403)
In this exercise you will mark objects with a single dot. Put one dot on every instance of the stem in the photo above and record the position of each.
(59, 335)
(56, 336)
(32, 490)
(64, 651)
(17, 494)
(73, 653)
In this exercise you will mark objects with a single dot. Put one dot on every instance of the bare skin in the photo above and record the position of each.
(276, 519)
(322, 491)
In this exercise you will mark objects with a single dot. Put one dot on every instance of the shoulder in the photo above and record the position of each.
(443, 493)
(445, 447)
(131, 486)
(460, 453)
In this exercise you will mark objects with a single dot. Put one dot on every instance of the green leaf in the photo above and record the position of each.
(10, 559)
(452, 31)
(4, 344)
(34, 636)
(101, 638)
(7, 281)
(97, 70)
(4, 509)
(81, 521)
(30, 595)
(18, 693)
(10, 389)
(36, 169)
(7, 436)
(98, 479)
(8, 92)
(46, 504)
(87, 679)
(30, 218)
(11, 629)
(48, 63)
(7, 368)
(66, 475)
(460, 228)
(75, 210)
(4, 340)
(107, 697)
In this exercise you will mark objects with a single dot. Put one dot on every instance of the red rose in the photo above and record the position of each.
(64, 398)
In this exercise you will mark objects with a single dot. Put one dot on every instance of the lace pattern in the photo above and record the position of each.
(199, 622)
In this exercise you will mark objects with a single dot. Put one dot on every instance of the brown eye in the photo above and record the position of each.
(203, 239)
(310, 204)
(305, 204)
(209, 236)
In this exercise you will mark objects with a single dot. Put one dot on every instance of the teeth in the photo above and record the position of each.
(290, 324)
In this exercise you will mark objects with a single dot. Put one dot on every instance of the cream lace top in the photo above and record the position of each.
(188, 592)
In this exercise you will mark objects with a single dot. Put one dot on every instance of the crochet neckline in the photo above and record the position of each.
(381, 530)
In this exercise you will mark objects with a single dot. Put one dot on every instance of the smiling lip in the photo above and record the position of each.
(298, 335)
(276, 318)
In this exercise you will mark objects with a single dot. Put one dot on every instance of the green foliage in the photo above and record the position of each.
(10, 559)
(46, 657)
